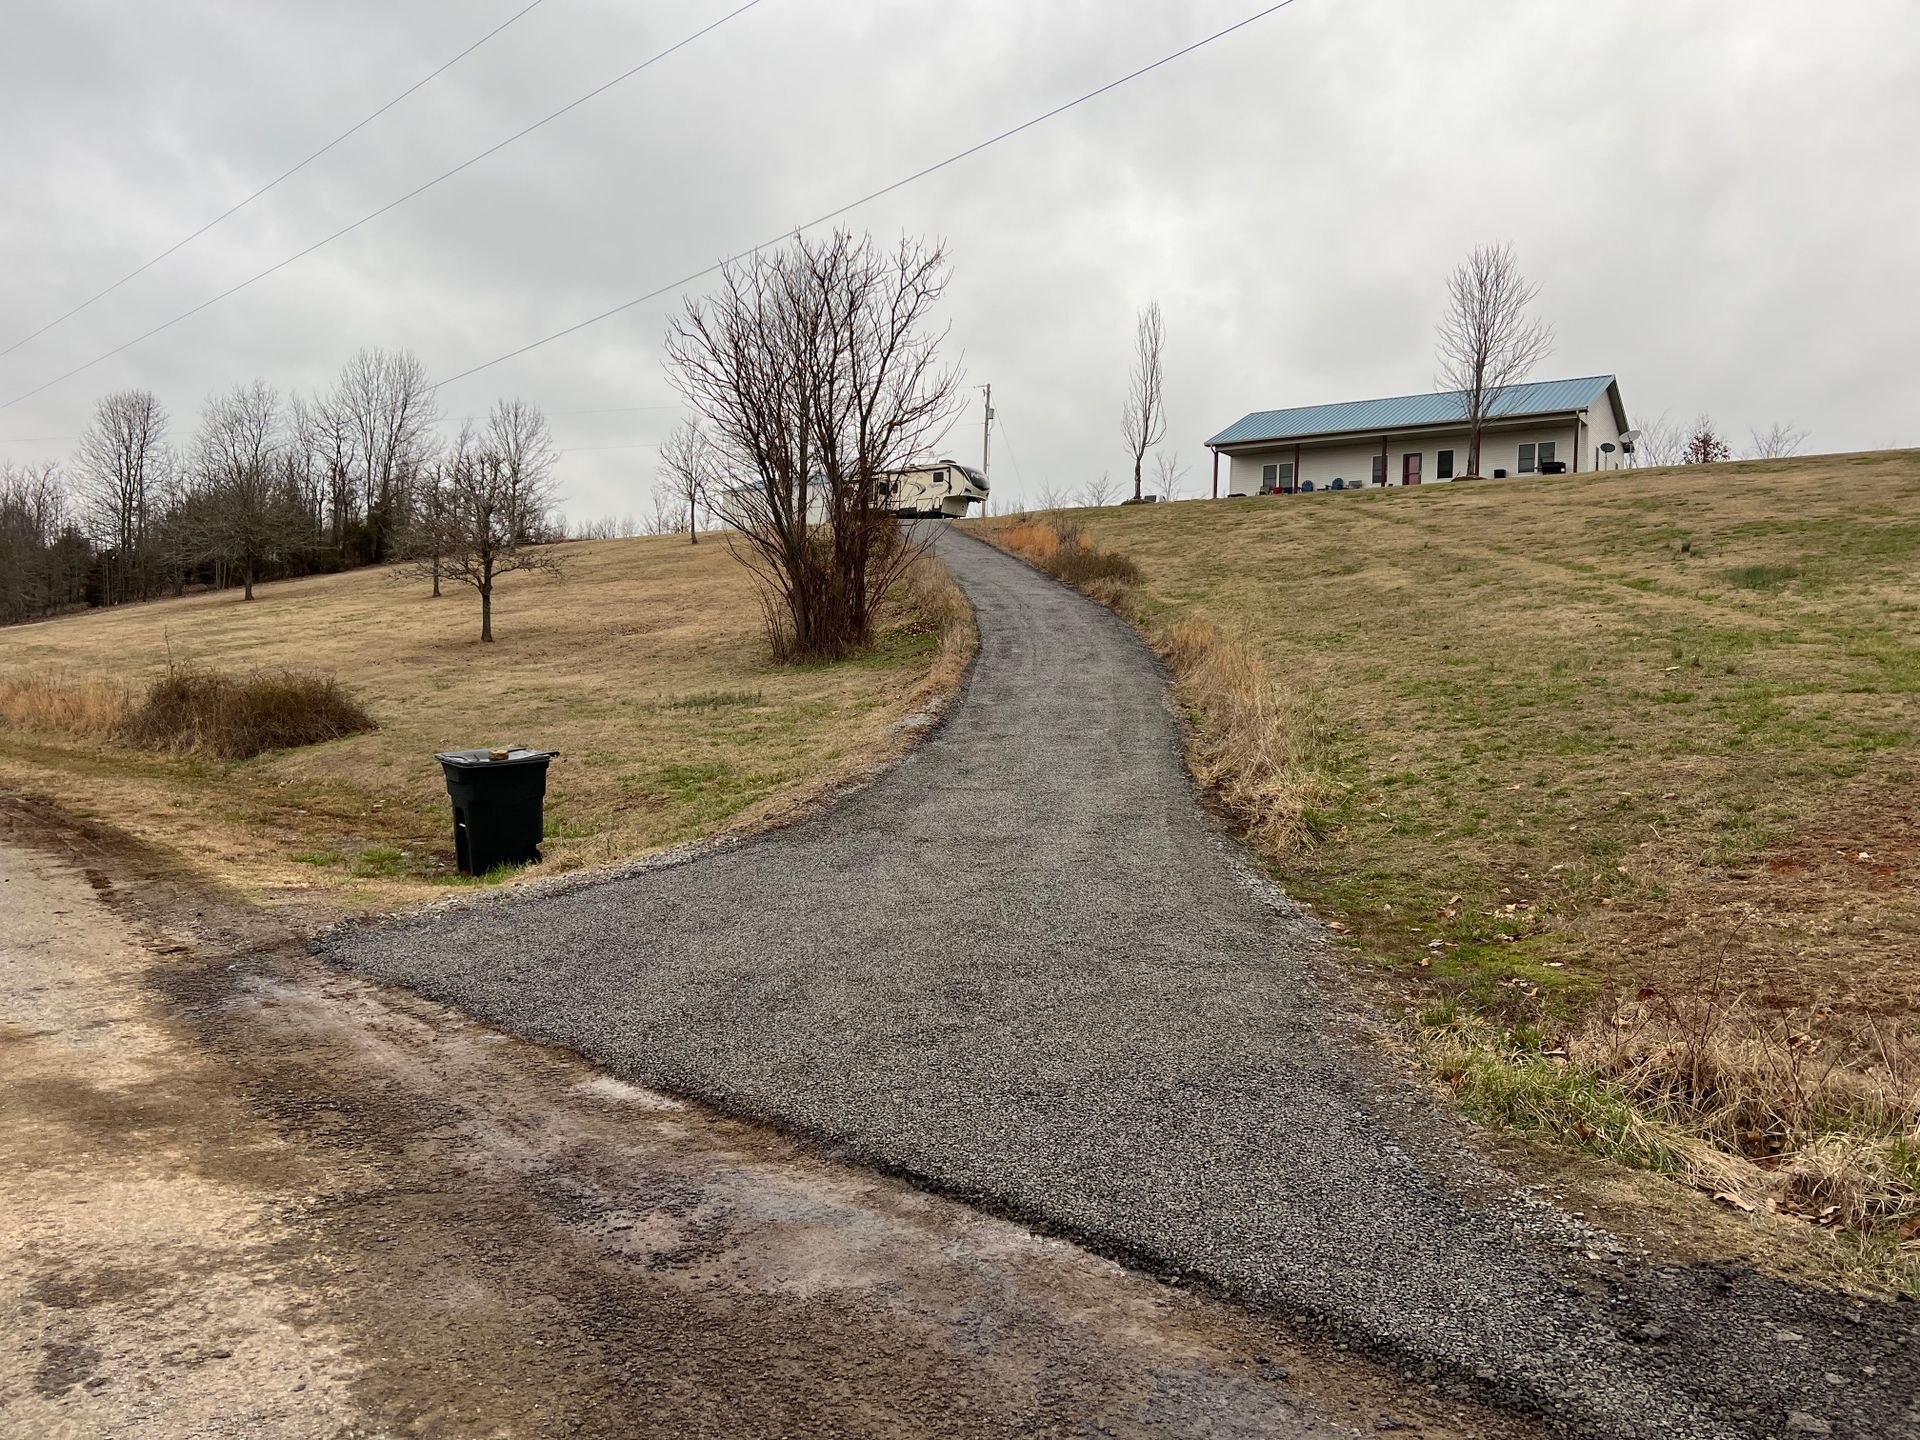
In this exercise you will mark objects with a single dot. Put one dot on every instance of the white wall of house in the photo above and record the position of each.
(1352, 460)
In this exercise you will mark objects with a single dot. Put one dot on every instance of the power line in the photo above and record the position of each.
(884, 190)
(284, 175)
(1001, 426)
(618, 410)
(390, 205)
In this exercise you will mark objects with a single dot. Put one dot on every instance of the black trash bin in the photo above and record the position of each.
(499, 801)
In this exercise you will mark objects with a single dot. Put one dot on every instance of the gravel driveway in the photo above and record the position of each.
(1024, 968)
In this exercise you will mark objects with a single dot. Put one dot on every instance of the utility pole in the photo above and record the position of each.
(986, 436)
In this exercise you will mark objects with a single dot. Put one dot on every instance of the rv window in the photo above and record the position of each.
(939, 477)
(1526, 459)
(1443, 465)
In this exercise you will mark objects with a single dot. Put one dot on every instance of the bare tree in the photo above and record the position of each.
(118, 463)
(687, 463)
(1053, 497)
(426, 536)
(1660, 443)
(1704, 445)
(384, 412)
(1778, 442)
(496, 491)
(1095, 493)
(1144, 419)
(1487, 341)
(243, 516)
(815, 371)
(43, 558)
(1169, 475)
(669, 513)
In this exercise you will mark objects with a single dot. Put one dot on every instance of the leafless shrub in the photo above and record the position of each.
(1095, 493)
(815, 371)
(1777, 442)
(1661, 443)
(1169, 476)
(237, 718)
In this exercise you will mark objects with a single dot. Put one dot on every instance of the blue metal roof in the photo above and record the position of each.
(1539, 397)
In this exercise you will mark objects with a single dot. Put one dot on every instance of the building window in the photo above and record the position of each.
(1379, 469)
(1286, 475)
(1546, 452)
(1526, 460)
(1269, 479)
(1443, 465)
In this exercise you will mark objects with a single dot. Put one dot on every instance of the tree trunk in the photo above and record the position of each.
(247, 580)
(1136, 477)
(486, 615)
(436, 577)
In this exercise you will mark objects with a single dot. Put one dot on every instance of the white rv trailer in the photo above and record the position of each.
(938, 490)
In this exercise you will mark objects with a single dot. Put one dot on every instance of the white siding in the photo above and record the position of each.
(1602, 428)
(1351, 460)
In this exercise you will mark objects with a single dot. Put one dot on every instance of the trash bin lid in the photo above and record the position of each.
(484, 759)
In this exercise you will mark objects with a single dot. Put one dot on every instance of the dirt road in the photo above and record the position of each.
(245, 1195)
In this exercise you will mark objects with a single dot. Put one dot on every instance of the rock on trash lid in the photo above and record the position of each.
(502, 755)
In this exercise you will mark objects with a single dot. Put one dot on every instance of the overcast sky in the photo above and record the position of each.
(1719, 201)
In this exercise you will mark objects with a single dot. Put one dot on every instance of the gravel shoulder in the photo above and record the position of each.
(1023, 968)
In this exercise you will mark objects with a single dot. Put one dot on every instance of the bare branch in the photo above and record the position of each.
(1486, 341)
(814, 371)
(1144, 419)
(1778, 442)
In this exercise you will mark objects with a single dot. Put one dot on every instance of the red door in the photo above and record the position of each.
(1410, 470)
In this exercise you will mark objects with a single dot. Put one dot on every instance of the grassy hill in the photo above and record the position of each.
(1647, 705)
(1603, 760)
(643, 665)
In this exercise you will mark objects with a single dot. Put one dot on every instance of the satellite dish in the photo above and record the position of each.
(1631, 436)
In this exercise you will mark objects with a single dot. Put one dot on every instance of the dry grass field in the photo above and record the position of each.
(1622, 771)
(644, 666)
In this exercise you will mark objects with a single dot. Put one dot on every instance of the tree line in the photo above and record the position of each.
(269, 486)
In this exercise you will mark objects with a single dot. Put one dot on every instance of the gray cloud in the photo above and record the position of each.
(1718, 200)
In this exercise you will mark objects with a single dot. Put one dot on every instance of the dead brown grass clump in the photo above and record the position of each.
(931, 588)
(1065, 553)
(68, 705)
(1260, 750)
(1834, 1124)
(217, 714)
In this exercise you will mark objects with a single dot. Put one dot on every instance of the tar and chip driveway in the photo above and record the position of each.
(1022, 968)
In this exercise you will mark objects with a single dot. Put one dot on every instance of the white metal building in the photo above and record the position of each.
(1548, 426)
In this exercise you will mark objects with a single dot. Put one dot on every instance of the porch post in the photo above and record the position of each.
(1216, 473)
